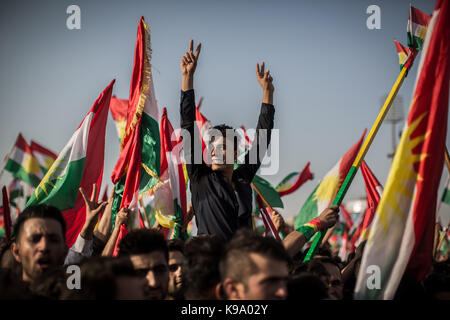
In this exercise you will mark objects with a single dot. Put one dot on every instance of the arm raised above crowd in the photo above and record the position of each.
(295, 240)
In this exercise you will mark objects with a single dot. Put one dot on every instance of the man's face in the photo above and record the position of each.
(153, 266)
(40, 246)
(336, 287)
(220, 158)
(176, 259)
(269, 283)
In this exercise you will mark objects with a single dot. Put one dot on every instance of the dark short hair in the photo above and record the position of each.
(98, 278)
(223, 128)
(201, 267)
(175, 245)
(143, 241)
(237, 264)
(42, 211)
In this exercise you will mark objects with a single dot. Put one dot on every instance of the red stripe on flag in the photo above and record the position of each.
(431, 101)
(93, 167)
(6, 214)
(41, 149)
(302, 178)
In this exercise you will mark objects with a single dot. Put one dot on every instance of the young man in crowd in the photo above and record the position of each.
(147, 250)
(222, 195)
(254, 268)
(39, 241)
(176, 261)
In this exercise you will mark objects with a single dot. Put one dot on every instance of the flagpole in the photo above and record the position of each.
(261, 196)
(362, 152)
(447, 159)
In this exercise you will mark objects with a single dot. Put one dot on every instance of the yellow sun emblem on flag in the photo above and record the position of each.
(403, 177)
(53, 174)
(327, 189)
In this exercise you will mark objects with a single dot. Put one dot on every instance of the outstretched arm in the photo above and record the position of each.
(188, 65)
(264, 127)
(295, 240)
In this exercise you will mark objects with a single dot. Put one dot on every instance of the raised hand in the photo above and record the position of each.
(329, 216)
(122, 217)
(277, 220)
(188, 62)
(93, 208)
(264, 78)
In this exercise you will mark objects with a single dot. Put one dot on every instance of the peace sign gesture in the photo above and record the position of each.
(189, 60)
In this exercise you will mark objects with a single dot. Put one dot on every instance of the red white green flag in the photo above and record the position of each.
(80, 164)
(170, 195)
(44, 156)
(138, 167)
(403, 54)
(402, 232)
(22, 164)
(417, 28)
(293, 181)
(325, 192)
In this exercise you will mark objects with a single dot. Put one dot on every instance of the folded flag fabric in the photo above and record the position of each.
(403, 54)
(118, 108)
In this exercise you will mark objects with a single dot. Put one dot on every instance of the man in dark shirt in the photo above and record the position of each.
(222, 195)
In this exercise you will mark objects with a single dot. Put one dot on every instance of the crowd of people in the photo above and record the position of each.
(226, 260)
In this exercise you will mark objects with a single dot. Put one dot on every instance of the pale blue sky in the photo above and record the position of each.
(330, 71)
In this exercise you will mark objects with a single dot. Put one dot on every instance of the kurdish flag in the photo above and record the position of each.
(171, 195)
(22, 164)
(417, 28)
(80, 164)
(118, 108)
(44, 156)
(204, 125)
(293, 181)
(138, 167)
(402, 232)
(269, 193)
(403, 54)
(374, 190)
(325, 192)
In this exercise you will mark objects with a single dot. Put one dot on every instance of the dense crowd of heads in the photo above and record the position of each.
(250, 266)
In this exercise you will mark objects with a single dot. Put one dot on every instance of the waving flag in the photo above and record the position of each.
(417, 28)
(374, 189)
(403, 54)
(22, 164)
(294, 181)
(326, 190)
(138, 167)
(80, 164)
(402, 232)
(172, 194)
(44, 156)
(118, 108)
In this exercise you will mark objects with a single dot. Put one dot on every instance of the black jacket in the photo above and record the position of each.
(217, 208)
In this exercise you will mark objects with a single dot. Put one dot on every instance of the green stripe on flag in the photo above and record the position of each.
(446, 196)
(308, 211)
(18, 171)
(151, 150)
(59, 191)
